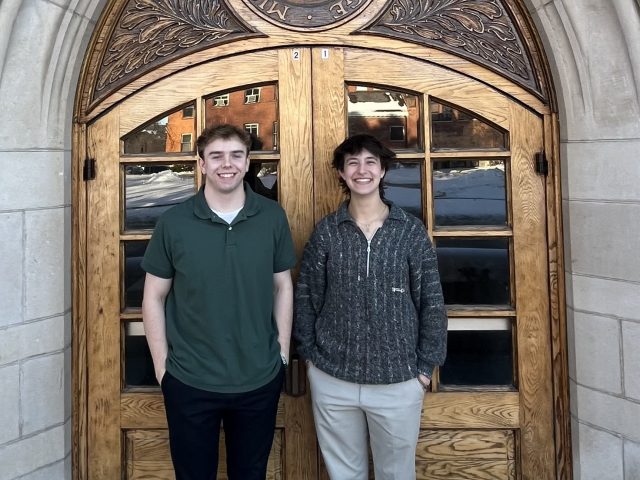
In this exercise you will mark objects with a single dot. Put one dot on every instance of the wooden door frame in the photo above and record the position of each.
(555, 253)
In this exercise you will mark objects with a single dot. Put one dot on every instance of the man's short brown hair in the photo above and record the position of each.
(225, 132)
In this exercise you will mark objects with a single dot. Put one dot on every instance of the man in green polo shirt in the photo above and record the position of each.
(217, 313)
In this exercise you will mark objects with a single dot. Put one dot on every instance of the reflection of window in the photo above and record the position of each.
(188, 112)
(221, 100)
(252, 128)
(252, 95)
(396, 133)
(185, 142)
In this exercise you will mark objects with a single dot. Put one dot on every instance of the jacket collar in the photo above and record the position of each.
(202, 210)
(395, 212)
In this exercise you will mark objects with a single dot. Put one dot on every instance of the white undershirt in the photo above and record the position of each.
(227, 216)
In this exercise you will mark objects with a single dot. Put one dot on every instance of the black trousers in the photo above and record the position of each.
(194, 417)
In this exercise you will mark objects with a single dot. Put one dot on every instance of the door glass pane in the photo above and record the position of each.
(253, 108)
(133, 275)
(392, 117)
(263, 179)
(453, 128)
(150, 189)
(474, 271)
(172, 133)
(403, 186)
(479, 352)
(138, 364)
(469, 192)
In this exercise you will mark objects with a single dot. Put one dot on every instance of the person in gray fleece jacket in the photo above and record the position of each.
(370, 321)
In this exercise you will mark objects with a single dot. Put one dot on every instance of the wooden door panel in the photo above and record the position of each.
(468, 454)
(148, 458)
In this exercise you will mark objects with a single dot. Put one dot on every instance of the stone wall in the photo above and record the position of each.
(594, 49)
(41, 48)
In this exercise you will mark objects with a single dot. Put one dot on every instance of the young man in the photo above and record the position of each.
(217, 313)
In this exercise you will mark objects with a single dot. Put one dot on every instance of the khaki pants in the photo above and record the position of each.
(348, 416)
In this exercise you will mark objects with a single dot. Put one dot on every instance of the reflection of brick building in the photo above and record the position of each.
(255, 109)
(453, 128)
(181, 130)
(390, 116)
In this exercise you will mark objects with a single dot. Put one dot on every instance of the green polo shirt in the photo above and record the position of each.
(220, 328)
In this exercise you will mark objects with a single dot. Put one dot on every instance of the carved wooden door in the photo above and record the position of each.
(465, 167)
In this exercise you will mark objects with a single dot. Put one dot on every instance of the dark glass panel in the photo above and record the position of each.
(474, 271)
(133, 273)
(453, 128)
(479, 357)
(403, 186)
(174, 132)
(469, 192)
(138, 364)
(254, 109)
(263, 179)
(150, 189)
(392, 117)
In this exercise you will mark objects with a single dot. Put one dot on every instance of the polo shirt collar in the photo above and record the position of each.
(395, 212)
(251, 204)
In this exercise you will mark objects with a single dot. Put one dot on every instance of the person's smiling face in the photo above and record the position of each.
(224, 164)
(362, 173)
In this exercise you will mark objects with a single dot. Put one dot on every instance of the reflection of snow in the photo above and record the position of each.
(148, 195)
(470, 196)
(473, 196)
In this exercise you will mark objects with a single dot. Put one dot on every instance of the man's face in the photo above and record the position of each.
(224, 165)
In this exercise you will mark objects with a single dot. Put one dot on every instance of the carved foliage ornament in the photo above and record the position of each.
(150, 32)
(480, 30)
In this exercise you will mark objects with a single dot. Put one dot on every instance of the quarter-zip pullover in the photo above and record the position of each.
(370, 312)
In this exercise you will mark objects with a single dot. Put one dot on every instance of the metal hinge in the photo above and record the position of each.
(89, 169)
(542, 165)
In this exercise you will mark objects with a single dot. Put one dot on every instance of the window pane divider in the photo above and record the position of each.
(472, 232)
(472, 154)
(146, 158)
(480, 311)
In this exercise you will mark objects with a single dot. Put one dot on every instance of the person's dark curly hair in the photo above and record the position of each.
(356, 144)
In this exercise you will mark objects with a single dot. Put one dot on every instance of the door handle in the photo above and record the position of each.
(295, 384)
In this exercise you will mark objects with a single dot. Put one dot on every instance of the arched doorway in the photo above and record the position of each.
(471, 142)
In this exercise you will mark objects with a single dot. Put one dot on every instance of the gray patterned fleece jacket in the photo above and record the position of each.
(370, 312)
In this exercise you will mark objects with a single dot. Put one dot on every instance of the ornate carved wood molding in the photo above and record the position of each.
(149, 33)
(482, 31)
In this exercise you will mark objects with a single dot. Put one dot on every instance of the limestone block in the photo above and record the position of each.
(601, 237)
(601, 170)
(11, 279)
(42, 393)
(601, 455)
(601, 32)
(31, 339)
(9, 405)
(46, 268)
(32, 453)
(631, 460)
(611, 413)
(609, 297)
(33, 180)
(630, 347)
(597, 350)
(50, 472)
